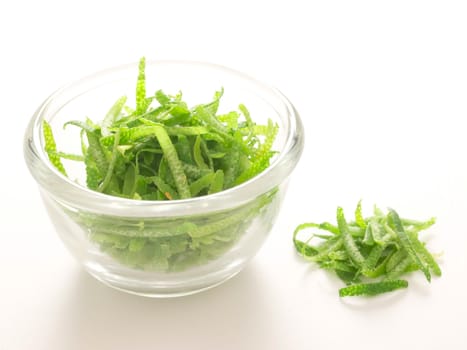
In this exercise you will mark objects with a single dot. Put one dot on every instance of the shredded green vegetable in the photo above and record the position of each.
(372, 288)
(51, 148)
(164, 150)
(368, 254)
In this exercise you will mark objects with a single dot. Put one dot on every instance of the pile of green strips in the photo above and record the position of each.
(369, 254)
(165, 150)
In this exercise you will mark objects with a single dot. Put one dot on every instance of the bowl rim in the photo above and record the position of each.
(78, 196)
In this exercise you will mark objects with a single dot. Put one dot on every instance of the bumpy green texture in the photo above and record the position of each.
(51, 148)
(172, 244)
(369, 254)
(162, 149)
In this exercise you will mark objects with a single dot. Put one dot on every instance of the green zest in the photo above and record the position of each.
(369, 254)
(162, 149)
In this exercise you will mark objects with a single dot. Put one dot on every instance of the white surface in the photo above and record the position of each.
(381, 87)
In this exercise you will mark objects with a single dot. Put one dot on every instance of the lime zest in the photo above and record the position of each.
(370, 254)
(370, 289)
(51, 148)
(349, 243)
(396, 224)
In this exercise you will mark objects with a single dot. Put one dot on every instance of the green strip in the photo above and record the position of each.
(217, 182)
(396, 224)
(349, 243)
(370, 289)
(202, 183)
(399, 269)
(51, 148)
(112, 115)
(141, 104)
(359, 217)
(110, 169)
(166, 190)
(68, 156)
(424, 253)
(197, 155)
(174, 163)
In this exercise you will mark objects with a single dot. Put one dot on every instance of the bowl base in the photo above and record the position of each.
(157, 290)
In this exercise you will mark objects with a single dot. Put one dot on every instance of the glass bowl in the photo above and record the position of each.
(162, 248)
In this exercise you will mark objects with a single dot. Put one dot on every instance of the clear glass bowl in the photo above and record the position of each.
(162, 248)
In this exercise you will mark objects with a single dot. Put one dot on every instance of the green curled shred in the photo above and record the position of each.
(370, 289)
(373, 257)
(349, 243)
(396, 224)
(112, 115)
(141, 102)
(110, 168)
(217, 182)
(51, 148)
(359, 217)
(424, 254)
(370, 254)
(174, 162)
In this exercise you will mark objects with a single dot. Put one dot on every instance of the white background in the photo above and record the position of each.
(381, 87)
